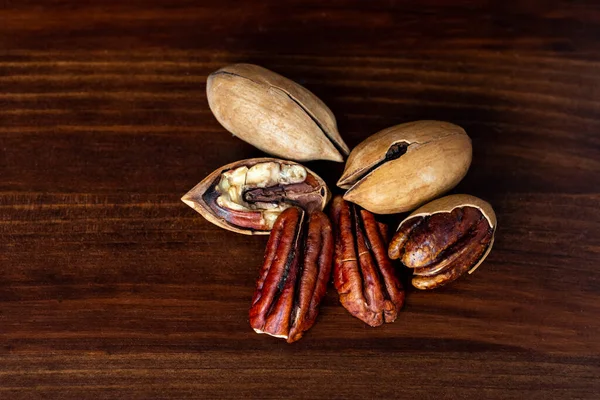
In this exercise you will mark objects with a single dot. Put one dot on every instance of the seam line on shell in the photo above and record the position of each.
(314, 119)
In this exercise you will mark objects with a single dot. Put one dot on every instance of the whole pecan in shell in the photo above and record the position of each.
(362, 273)
(401, 167)
(274, 114)
(294, 275)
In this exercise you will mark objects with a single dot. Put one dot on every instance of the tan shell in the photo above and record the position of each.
(449, 203)
(437, 158)
(274, 114)
(194, 199)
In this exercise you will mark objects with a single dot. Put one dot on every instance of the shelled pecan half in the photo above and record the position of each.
(294, 275)
(362, 272)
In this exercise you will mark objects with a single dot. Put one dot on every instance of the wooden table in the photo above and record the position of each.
(111, 288)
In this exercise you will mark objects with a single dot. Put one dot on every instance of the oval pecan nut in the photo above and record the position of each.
(401, 167)
(247, 196)
(274, 114)
(362, 272)
(294, 275)
(444, 240)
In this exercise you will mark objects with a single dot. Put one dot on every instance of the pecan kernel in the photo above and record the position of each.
(363, 274)
(442, 246)
(247, 196)
(293, 278)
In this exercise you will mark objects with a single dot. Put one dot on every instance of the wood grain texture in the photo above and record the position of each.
(111, 288)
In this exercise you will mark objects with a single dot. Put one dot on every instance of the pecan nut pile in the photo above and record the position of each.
(362, 273)
(294, 275)
(393, 171)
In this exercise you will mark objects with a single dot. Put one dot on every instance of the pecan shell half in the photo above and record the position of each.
(362, 273)
(247, 196)
(294, 275)
(444, 239)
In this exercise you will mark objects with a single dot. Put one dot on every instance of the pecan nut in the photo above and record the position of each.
(294, 275)
(247, 196)
(362, 273)
(401, 167)
(274, 114)
(444, 239)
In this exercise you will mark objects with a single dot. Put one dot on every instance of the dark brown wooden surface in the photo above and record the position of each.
(111, 288)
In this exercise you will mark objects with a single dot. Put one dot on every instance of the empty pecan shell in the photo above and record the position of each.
(247, 196)
(294, 275)
(444, 239)
(362, 272)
